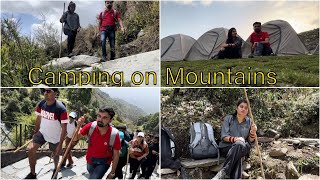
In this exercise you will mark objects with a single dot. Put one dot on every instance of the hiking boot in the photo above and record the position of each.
(103, 59)
(70, 55)
(221, 175)
(31, 176)
(251, 56)
(69, 165)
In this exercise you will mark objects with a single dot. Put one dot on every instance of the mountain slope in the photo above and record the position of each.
(121, 107)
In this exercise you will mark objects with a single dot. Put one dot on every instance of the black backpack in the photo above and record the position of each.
(169, 157)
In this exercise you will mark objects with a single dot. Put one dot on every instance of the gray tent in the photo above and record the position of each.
(283, 39)
(208, 45)
(175, 47)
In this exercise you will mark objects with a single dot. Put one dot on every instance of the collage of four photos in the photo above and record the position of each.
(160, 89)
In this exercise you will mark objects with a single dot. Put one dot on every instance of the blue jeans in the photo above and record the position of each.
(98, 168)
(111, 35)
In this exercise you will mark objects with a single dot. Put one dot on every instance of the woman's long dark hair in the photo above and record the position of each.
(238, 103)
(230, 38)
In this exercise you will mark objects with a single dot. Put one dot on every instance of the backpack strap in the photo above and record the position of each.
(92, 127)
(197, 129)
(211, 138)
(113, 135)
(114, 14)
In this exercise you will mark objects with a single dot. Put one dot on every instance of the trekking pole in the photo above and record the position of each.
(64, 7)
(256, 138)
(26, 144)
(125, 173)
(51, 157)
(75, 133)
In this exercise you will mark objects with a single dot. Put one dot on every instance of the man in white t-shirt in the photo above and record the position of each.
(51, 127)
(71, 127)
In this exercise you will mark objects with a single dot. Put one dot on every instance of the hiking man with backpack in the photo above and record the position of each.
(237, 135)
(71, 26)
(123, 156)
(71, 127)
(150, 163)
(103, 144)
(51, 127)
(138, 151)
(107, 28)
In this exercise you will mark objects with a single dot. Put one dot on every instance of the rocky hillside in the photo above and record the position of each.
(141, 21)
(310, 39)
(280, 114)
(121, 107)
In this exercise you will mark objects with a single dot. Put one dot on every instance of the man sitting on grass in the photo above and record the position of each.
(260, 42)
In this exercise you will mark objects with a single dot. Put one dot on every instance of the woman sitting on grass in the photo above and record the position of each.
(231, 49)
(237, 135)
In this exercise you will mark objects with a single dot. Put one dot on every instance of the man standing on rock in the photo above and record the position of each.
(107, 27)
(51, 127)
(71, 27)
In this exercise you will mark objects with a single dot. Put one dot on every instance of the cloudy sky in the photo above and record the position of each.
(194, 18)
(29, 12)
(147, 99)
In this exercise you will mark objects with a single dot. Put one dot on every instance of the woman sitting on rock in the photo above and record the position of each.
(237, 135)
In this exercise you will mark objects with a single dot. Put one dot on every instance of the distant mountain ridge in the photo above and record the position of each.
(310, 39)
(121, 107)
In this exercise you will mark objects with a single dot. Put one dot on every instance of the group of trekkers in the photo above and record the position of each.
(260, 44)
(108, 20)
(107, 145)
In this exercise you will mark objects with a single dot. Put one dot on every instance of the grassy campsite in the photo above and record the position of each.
(296, 71)
(281, 115)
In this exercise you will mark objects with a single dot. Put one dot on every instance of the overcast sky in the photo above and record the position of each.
(147, 99)
(194, 18)
(30, 12)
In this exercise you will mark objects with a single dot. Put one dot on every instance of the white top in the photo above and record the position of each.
(70, 129)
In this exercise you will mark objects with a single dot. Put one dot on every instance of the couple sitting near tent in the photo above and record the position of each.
(231, 49)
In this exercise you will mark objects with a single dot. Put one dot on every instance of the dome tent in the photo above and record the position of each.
(175, 47)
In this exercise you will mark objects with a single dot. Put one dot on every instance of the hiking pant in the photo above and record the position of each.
(147, 168)
(233, 163)
(230, 53)
(134, 166)
(71, 39)
(121, 163)
(111, 35)
(262, 49)
(98, 168)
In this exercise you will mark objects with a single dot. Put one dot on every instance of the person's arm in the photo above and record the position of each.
(225, 132)
(100, 22)
(146, 149)
(253, 131)
(84, 131)
(79, 27)
(115, 160)
(266, 41)
(63, 17)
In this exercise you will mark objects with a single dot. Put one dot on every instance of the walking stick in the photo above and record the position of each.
(125, 173)
(64, 7)
(26, 144)
(256, 139)
(75, 133)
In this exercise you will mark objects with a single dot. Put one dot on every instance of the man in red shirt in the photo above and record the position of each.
(107, 27)
(51, 127)
(100, 152)
(260, 41)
